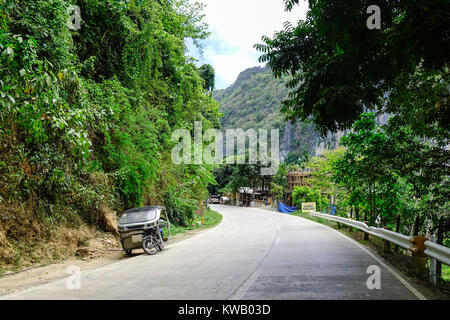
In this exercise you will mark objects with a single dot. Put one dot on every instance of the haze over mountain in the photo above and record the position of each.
(254, 101)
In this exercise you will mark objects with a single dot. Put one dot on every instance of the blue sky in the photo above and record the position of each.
(236, 25)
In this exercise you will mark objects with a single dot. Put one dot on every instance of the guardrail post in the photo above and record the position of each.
(339, 225)
(386, 244)
(433, 267)
(365, 234)
(419, 257)
(350, 229)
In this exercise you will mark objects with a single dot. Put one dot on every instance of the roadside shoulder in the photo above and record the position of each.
(41, 275)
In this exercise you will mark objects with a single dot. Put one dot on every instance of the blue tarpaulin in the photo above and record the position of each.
(333, 210)
(286, 209)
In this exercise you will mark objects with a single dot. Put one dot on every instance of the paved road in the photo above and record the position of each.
(252, 254)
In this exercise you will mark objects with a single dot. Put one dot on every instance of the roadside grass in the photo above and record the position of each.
(446, 273)
(210, 219)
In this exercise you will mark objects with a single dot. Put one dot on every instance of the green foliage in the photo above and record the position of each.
(361, 165)
(279, 182)
(86, 116)
(306, 194)
(390, 172)
(254, 101)
(321, 173)
(208, 75)
(180, 205)
(222, 175)
(297, 158)
(278, 191)
(244, 175)
(280, 178)
(339, 67)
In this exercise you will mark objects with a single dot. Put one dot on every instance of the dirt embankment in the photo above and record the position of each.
(84, 247)
(28, 239)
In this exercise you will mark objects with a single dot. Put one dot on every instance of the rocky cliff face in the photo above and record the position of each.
(254, 101)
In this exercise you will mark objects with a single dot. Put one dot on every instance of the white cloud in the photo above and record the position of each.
(227, 67)
(236, 26)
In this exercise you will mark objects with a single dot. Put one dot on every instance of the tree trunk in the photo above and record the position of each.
(374, 203)
(370, 206)
(357, 213)
(416, 226)
(253, 195)
(397, 229)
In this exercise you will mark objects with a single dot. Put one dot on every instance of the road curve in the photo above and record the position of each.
(252, 254)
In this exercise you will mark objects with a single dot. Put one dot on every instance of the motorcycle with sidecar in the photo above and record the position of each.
(143, 228)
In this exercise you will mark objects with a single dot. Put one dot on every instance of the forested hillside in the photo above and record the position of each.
(86, 117)
(254, 101)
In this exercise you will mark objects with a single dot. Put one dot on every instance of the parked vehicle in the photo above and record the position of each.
(214, 199)
(224, 200)
(142, 228)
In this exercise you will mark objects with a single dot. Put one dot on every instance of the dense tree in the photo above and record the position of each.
(222, 175)
(280, 178)
(297, 158)
(208, 75)
(361, 162)
(390, 172)
(306, 194)
(245, 176)
(321, 174)
(279, 182)
(86, 116)
(339, 67)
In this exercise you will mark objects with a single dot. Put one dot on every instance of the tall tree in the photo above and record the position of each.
(340, 67)
(208, 75)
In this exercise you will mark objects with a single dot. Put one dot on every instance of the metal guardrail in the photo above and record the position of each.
(349, 222)
(438, 252)
(433, 250)
(391, 236)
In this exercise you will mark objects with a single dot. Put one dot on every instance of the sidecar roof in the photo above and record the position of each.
(141, 215)
(144, 209)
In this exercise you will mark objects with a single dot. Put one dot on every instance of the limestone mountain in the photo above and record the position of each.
(254, 101)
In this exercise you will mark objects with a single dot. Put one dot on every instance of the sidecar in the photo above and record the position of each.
(136, 224)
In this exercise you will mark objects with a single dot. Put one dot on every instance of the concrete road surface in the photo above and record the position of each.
(252, 254)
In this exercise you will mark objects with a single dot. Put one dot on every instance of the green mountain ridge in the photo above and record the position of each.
(254, 101)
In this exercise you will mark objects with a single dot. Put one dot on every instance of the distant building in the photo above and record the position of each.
(295, 178)
(245, 195)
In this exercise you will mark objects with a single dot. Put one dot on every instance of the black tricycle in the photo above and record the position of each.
(143, 228)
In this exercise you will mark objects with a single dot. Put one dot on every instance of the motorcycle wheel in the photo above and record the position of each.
(149, 246)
